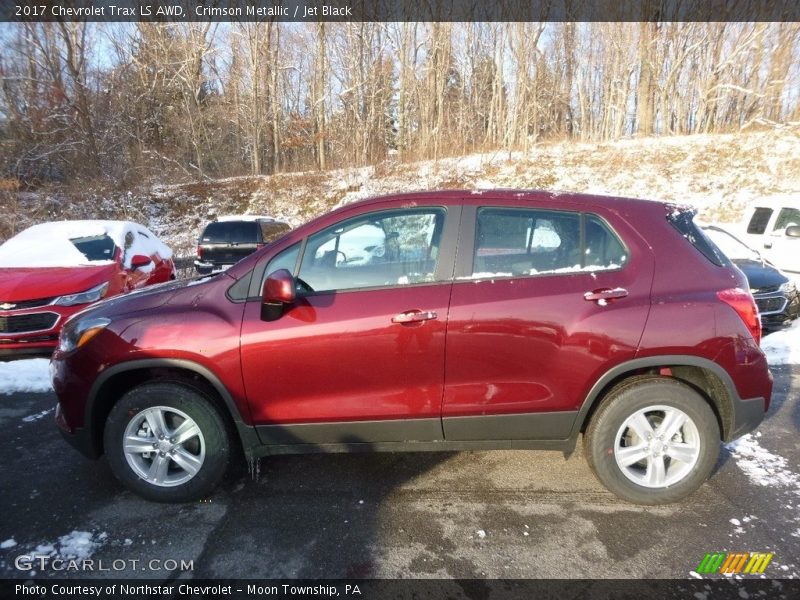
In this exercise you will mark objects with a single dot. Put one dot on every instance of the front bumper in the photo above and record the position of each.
(25, 351)
(33, 330)
(777, 308)
(78, 437)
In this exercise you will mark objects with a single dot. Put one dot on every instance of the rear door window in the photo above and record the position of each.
(602, 248)
(519, 242)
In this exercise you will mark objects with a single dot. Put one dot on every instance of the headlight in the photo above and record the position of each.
(787, 287)
(76, 333)
(92, 295)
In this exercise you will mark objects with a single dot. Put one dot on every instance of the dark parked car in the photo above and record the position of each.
(775, 294)
(228, 240)
(499, 320)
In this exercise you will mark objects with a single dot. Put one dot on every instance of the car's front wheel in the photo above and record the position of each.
(167, 442)
(653, 440)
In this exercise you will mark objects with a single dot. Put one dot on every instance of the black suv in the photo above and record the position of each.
(227, 240)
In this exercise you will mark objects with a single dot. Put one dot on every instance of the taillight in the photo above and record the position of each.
(200, 252)
(742, 302)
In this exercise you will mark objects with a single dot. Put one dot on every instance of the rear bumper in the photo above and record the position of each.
(206, 268)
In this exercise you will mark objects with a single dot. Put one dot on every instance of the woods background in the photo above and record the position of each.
(126, 103)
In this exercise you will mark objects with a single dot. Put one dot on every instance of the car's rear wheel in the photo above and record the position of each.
(653, 440)
(167, 442)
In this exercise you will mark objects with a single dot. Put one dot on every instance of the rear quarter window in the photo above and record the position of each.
(683, 221)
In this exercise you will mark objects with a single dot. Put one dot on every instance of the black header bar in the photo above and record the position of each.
(399, 10)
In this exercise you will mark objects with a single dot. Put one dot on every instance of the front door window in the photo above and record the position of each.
(377, 250)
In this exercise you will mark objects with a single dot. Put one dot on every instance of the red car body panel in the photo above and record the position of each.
(508, 346)
(135, 340)
(515, 344)
(338, 357)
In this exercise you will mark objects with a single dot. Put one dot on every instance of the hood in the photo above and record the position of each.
(144, 299)
(760, 274)
(18, 284)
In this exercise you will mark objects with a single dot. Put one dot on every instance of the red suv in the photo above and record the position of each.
(467, 321)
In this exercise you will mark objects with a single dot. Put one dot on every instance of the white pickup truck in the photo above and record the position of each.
(772, 226)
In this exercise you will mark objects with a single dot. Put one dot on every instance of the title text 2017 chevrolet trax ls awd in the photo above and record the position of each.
(508, 319)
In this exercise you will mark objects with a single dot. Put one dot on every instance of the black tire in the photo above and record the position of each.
(605, 440)
(205, 454)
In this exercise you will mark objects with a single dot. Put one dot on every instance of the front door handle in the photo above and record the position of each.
(602, 296)
(415, 316)
(767, 245)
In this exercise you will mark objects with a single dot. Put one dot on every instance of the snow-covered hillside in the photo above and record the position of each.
(717, 173)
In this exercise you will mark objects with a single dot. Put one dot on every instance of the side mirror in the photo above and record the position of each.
(139, 261)
(793, 231)
(278, 288)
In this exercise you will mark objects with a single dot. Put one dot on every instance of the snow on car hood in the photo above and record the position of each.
(49, 245)
(31, 284)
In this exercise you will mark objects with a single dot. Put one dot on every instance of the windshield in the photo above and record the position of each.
(97, 247)
(730, 246)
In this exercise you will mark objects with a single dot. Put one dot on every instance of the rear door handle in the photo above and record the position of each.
(604, 295)
(415, 316)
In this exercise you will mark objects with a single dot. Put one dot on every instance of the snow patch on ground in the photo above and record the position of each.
(75, 545)
(28, 375)
(783, 347)
(37, 416)
(761, 466)
(80, 544)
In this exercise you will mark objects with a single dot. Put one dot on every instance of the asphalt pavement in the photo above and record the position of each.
(502, 514)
